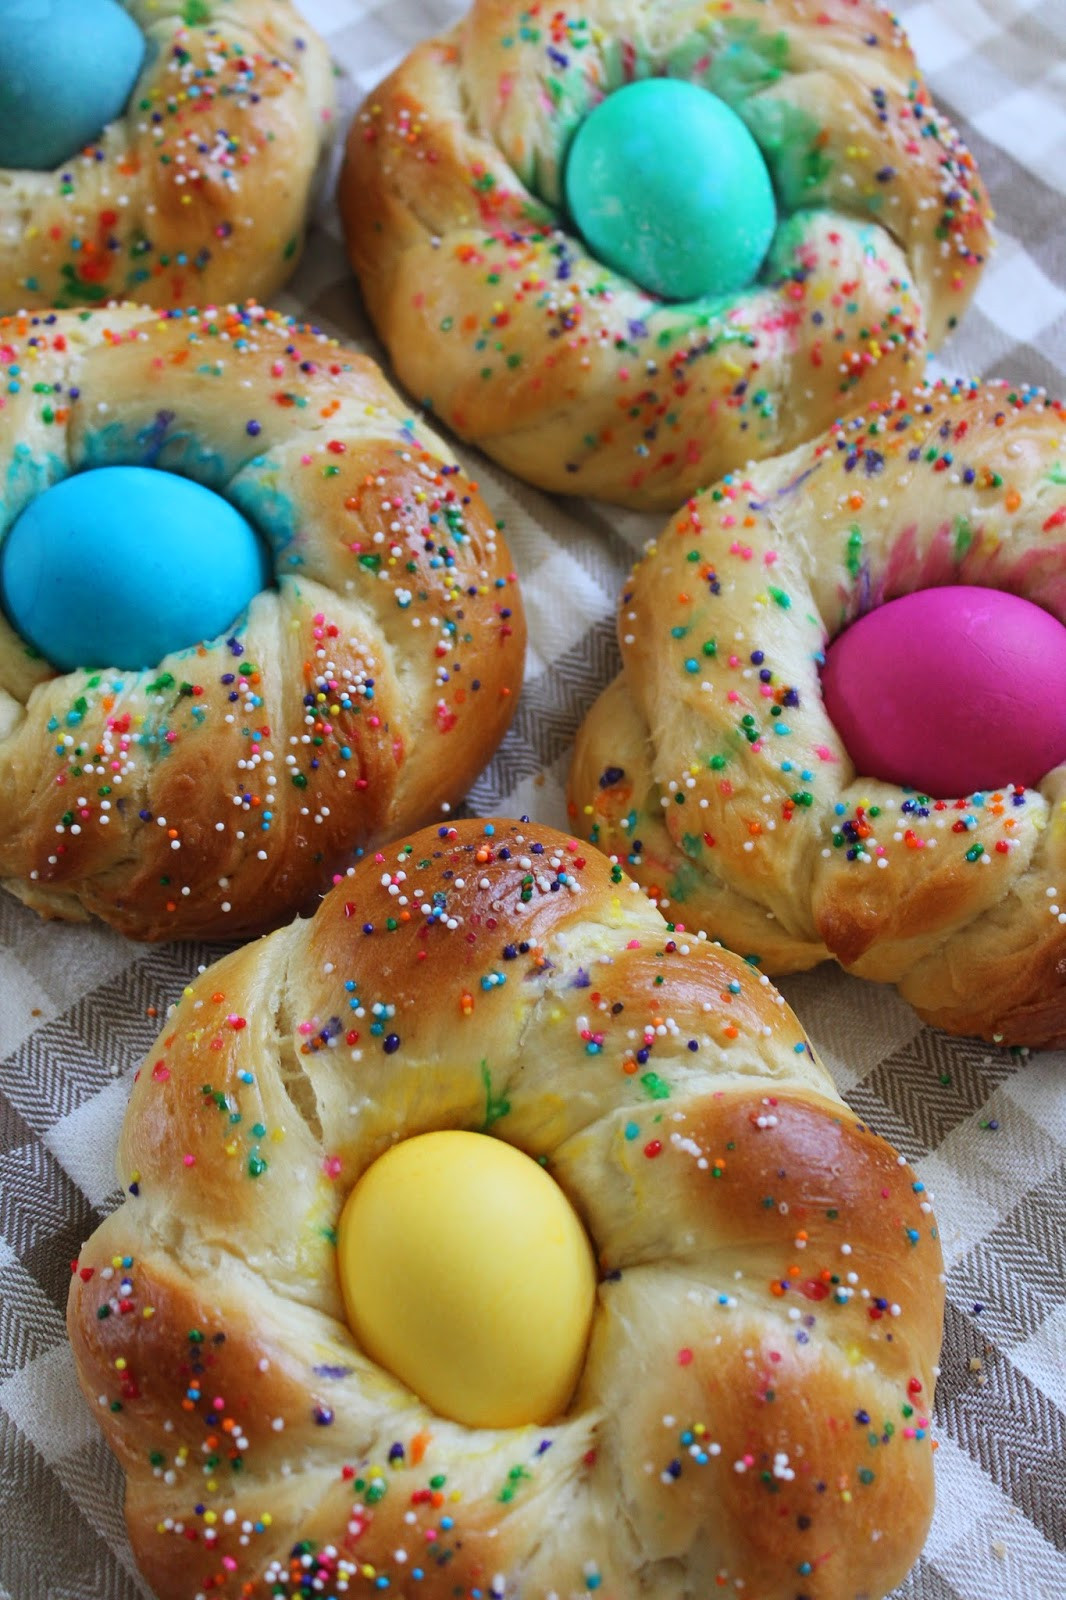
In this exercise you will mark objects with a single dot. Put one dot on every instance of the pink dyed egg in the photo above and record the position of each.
(950, 691)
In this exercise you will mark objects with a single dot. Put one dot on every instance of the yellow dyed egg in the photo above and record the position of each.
(466, 1273)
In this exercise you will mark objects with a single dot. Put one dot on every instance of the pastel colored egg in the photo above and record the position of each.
(950, 691)
(666, 185)
(467, 1274)
(118, 566)
(67, 69)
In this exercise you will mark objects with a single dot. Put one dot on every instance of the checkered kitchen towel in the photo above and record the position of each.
(986, 1129)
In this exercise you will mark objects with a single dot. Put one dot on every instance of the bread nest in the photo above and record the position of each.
(753, 1411)
(711, 768)
(199, 192)
(571, 376)
(354, 698)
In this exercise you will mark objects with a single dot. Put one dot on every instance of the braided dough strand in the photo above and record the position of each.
(711, 767)
(760, 1367)
(199, 193)
(220, 790)
(569, 374)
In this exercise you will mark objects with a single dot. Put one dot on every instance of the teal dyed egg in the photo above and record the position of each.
(666, 185)
(67, 68)
(120, 565)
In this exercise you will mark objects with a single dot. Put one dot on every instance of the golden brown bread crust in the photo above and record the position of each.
(755, 1398)
(218, 793)
(198, 198)
(495, 315)
(711, 769)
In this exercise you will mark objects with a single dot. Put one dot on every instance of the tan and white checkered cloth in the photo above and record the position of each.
(985, 1129)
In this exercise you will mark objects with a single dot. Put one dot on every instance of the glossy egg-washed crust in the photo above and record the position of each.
(217, 792)
(495, 314)
(753, 1410)
(199, 192)
(710, 766)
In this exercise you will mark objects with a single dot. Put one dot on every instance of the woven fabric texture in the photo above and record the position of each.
(986, 1129)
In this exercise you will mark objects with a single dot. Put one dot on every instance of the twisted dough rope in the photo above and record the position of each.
(495, 315)
(710, 766)
(753, 1408)
(200, 192)
(214, 794)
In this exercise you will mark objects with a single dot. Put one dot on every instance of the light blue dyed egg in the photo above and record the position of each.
(67, 68)
(118, 566)
(666, 185)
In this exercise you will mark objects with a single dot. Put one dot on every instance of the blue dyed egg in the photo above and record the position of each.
(67, 68)
(118, 566)
(666, 185)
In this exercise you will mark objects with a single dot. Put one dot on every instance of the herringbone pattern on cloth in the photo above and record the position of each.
(986, 1129)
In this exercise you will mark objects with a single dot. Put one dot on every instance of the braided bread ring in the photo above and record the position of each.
(200, 193)
(497, 317)
(753, 1404)
(774, 843)
(367, 688)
